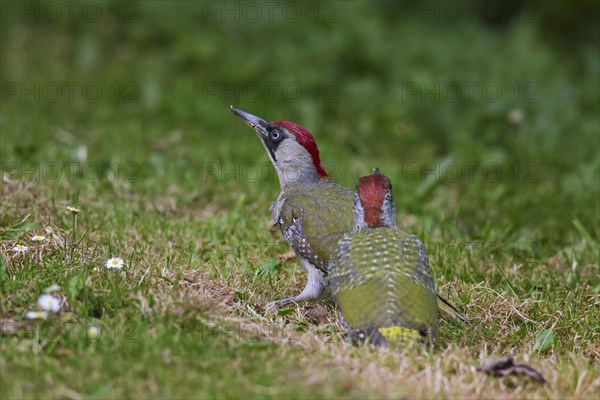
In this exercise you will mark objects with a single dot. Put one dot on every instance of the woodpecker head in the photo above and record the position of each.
(291, 148)
(373, 203)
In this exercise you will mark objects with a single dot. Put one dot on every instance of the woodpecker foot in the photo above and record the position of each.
(315, 286)
(276, 305)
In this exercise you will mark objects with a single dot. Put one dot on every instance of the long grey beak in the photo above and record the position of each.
(257, 123)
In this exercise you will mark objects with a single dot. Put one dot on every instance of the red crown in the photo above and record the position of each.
(371, 191)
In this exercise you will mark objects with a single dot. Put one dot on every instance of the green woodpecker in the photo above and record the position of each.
(379, 275)
(326, 206)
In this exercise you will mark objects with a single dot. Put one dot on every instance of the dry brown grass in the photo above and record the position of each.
(310, 338)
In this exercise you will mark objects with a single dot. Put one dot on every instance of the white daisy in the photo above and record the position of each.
(20, 249)
(93, 332)
(52, 288)
(47, 302)
(38, 238)
(36, 314)
(114, 262)
(73, 210)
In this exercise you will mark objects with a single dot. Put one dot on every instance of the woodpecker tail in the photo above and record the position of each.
(383, 337)
(448, 309)
(401, 334)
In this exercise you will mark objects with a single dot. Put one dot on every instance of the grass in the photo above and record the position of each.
(166, 178)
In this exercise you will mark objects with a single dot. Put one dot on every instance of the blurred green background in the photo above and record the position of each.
(465, 91)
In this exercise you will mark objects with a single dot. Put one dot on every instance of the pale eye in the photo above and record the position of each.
(276, 135)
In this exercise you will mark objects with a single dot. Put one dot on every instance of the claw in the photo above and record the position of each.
(273, 306)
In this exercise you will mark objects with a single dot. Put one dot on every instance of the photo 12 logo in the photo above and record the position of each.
(69, 92)
(253, 172)
(270, 92)
(54, 172)
(54, 331)
(468, 11)
(269, 11)
(470, 92)
(69, 11)
(470, 172)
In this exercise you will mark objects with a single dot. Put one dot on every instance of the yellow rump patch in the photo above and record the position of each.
(400, 334)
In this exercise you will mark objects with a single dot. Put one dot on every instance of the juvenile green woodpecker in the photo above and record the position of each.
(326, 206)
(380, 276)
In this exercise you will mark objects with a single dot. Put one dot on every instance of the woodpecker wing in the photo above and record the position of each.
(294, 235)
(326, 216)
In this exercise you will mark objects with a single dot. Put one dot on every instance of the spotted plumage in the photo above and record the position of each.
(295, 237)
(380, 278)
